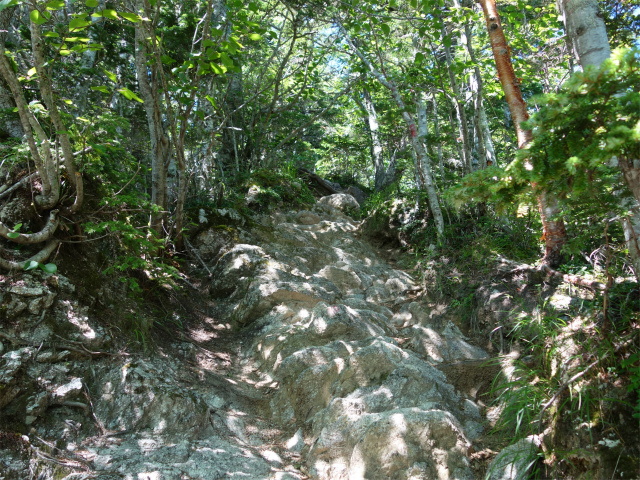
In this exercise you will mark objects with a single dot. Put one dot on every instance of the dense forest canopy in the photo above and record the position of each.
(125, 118)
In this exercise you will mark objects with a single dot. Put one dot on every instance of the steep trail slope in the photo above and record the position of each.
(313, 360)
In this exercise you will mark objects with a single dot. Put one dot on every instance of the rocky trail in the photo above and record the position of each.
(311, 357)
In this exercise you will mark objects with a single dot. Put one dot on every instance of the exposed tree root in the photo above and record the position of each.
(32, 238)
(571, 279)
(39, 257)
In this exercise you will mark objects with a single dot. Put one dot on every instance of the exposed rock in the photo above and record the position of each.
(234, 268)
(307, 218)
(515, 461)
(401, 444)
(340, 201)
(139, 397)
(315, 308)
(356, 193)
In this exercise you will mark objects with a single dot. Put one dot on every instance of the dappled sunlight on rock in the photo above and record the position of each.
(308, 353)
(201, 335)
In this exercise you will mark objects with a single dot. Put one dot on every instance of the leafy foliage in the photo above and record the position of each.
(578, 133)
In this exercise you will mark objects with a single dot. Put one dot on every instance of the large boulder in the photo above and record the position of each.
(340, 201)
(139, 396)
(402, 444)
(234, 268)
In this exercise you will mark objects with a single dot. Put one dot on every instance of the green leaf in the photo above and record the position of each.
(129, 95)
(414, 3)
(110, 76)
(167, 60)
(55, 5)
(101, 88)
(255, 37)
(13, 234)
(30, 265)
(132, 17)
(226, 61)
(52, 35)
(253, 6)
(218, 69)
(78, 24)
(419, 57)
(49, 268)
(39, 18)
(234, 40)
(211, 100)
(110, 14)
(91, 3)
(7, 3)
(385, 28)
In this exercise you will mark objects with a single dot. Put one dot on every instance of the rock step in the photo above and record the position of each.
(319, 303)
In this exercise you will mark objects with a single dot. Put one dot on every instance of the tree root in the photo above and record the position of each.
(545, 268)
(39, 257)
(31, 238)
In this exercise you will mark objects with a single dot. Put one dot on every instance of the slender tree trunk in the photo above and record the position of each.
(383, 177)
(47, 168)
(160, 143)
(46, 90)
(423, 130)
(461, 115)
(486, 153)
(436, 125)
(555, 235)
(423, 160)
(484, 124)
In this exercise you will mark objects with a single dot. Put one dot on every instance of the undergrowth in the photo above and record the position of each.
(576, 383)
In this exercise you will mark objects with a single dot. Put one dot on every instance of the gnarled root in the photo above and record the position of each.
(39, 257)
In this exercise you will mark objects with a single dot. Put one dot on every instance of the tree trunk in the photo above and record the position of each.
(585, 30)
(486, 153)
(423, 160)
(382, 180)
(436, 124)
(554, 231)
(484, 125)
(587, 37)
(461, 115)
(160, 144)
(46, 90)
